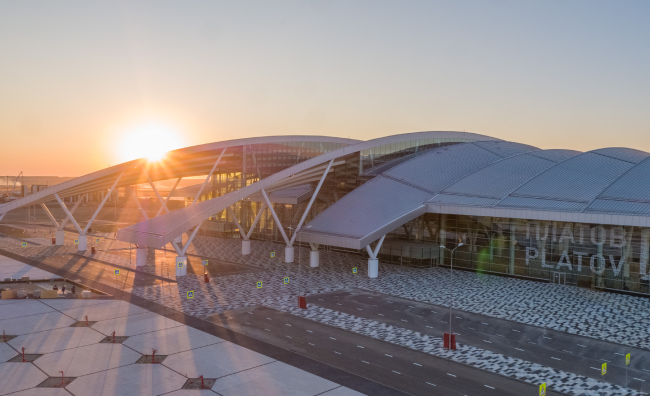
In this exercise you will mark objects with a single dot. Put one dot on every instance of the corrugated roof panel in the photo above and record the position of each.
(490, 182)
(436, 170)
(506, 149)
(632, 186)
(580, 178)
(541, 204)
(368, 208)
(555, 155)
(443, 199)
(619, 207)
(623, 154)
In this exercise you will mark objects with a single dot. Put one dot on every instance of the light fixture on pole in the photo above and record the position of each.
(451, 274)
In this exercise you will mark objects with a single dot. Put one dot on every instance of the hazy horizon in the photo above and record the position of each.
(81, 79)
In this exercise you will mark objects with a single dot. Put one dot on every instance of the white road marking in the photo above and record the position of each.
(433, 312)
(410, 306)
(532, 343)
(338, 304)
(310, 331)
(584, 346)
(404, 320)
(396, 372)
(500, 335)
(564, 350)
(333, 338)
(387, 355)
(250, 313)
(616, 353)
(430, 327)
(489, 342)
(451, 375)
(311, 344)
(320, 299)
(594, 368)
(548, 338)
(417, 364)
(337, 352)
(287, 324)
(458, 317)
(639, 379)
(519, 349)
(485, 323)
(268, 318)
(288, 336)
(646, 370)
(359, 346)
(246, 322)
(471, 328)
(488, 386)
(360, 309)
(380, 314)
(365, 362)
(267, 329)
(431, 384)
(516, 331)
(555, 358)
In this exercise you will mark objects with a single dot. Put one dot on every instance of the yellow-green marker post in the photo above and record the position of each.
(542, 389)
(603, 370)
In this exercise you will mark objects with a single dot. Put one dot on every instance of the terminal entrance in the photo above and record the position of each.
(559, 278)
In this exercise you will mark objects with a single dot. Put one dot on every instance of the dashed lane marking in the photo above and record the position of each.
(310, 331)
(337, 352)
(359, 346)
(365, 362)
(584, 346)
(387, 355)
(417, 364)
(555, 358)
(519, 349)
(311, 344)
(489, 342)
(431, 384)
(396, 372)
(333, 338)
(488, 386)
(451, 375)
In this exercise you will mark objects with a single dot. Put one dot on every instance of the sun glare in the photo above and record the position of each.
(150, 141)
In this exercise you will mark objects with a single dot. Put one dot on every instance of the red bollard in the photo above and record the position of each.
(53, 240)
(153, 356)
(113, 337)
(87, 325)
(61, 377)
(206, 278)
(202, 385)
(92, 250)
(4, 336)
(302, 302)
(453, 341)
(23, 354)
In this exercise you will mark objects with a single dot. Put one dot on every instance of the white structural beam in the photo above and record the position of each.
(311, 202)
(373, 253)
(155, 190)
(190, 239)
(275, 217)
(101, 205)
(236, 221)
(49, 214)
(168, 197)
(137, 202)
(257, 219)
(207, 179)
(68, 217)
(67, 212)
(2, 216)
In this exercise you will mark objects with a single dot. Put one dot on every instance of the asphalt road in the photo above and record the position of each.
(399, 368)
(560, 350)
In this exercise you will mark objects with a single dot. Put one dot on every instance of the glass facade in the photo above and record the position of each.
(587, 255)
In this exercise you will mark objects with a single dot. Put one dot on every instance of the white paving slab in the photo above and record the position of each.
(86, 360)
(63, 304)
(34, 323)
(215, 361)
(114, 309)
(42, 392)
(191, 392)
(23, 308)
(6, 352)
(342, 391)
(57, 339)
(276, 379)
(136, 379)
(19, 376)
(170, 341)
(135, 324)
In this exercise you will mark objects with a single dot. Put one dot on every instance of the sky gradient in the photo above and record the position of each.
(77, 76)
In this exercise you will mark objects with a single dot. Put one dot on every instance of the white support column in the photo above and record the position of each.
(67, 212)
(245, 247)
(101, 205)
(137, 202)
(59, 236)
(246, 243)
(288, 250)
(67, 218)
(49, 214)
(83, 243)
(141, 256)
(314, 255)
(373, 261)
(181, 266)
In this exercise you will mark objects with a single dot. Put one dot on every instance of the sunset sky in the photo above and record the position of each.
(84, 83)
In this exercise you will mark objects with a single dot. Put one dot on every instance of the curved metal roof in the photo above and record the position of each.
(161, 230)
(500, 179)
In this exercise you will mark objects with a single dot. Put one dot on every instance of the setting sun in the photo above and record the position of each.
(150, 141)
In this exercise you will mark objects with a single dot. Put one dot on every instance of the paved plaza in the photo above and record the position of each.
(610, 317)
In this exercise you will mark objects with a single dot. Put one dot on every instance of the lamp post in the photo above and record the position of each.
(451, 274)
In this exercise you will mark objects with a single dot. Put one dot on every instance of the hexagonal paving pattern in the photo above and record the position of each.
(6, 352)
(170, 341)
(57, 339)
(86, 360)
(136, 379)
(135, 324)
(34, 323)
(215, 361)
(111, 310)
(19, 376)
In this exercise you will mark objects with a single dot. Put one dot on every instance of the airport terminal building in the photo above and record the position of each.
(563, 216)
